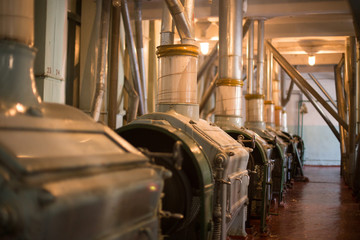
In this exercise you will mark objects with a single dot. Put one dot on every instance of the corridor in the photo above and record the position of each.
(321, 209)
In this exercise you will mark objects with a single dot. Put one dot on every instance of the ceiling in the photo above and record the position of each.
(295, 27)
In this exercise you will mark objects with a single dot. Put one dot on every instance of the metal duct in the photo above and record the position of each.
(17, 24)
(269, 106)
(167, 27)
(250, 58)
(284, 121)
(229, 85)
(260, 58)
(102, 60)
(269, 75)
(276, 93)
(132, 54)
(255, 101)
(184, 24)
(114, 66)
(140, 49)
(177, 84)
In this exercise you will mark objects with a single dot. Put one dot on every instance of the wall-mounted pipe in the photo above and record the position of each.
(183, 24)
(302, 83)
(102, 60)
(322, 89)
(167, 27)
(132, 54)
(140, 48)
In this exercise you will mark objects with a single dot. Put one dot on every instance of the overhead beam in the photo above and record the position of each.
(306, 88)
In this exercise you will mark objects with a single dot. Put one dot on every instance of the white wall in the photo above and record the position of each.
(322, 147)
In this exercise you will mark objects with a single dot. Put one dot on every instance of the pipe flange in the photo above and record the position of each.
(229, 82)
(177, 50)
(254, 96)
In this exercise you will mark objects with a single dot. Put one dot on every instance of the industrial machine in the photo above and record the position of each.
(63, 176)
(209, 187)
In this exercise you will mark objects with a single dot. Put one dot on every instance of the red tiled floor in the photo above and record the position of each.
(321, 209)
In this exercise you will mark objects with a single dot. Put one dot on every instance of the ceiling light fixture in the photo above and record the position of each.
(311, 60)
(204, 48)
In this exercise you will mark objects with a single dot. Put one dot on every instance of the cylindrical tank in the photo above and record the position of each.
(255, 111)
(269, 113)
(177, 86)
(17, 21)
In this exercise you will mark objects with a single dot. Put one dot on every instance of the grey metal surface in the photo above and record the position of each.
(74, 171)
(133, 57)
(62, 175)
(229, 161)
(17, 90)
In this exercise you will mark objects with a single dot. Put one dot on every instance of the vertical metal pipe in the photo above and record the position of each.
(230, 40)
(102, 60)
(208, 92)
(167, 27)
(229, 85)
(269, 75)
(208, 61)
(322, 89)
(250, 58)
(132, 53)
(140, 49)
(114, 66)
(260, 58)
